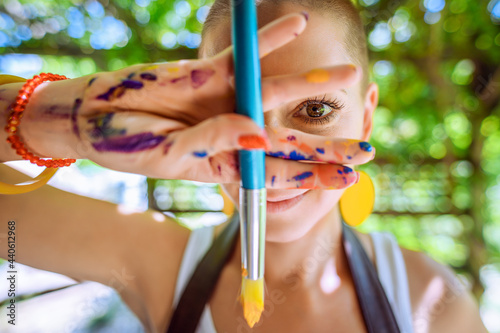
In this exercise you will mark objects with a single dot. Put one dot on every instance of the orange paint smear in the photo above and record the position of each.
(252, 142)
(303, 147)
(317, 76)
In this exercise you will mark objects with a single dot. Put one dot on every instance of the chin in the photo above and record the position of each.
(287, 220)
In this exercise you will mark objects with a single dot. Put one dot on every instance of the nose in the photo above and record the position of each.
(270, 119)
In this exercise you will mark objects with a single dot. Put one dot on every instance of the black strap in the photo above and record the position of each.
(377, 311)
(375, 307)
(201, 285)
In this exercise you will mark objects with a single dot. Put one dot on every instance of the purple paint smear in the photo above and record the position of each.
(130, 144)
(167, 146)
(119, 90)
(148, 76)
(74, 112)
(102, 127)
(50, 113)
(200, 76)
(178, 79)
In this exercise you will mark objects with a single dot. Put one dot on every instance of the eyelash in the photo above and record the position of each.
(334, 104)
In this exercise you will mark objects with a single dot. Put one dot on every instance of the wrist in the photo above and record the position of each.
(46, 128)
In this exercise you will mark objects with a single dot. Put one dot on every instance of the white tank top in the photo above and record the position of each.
(389, 263)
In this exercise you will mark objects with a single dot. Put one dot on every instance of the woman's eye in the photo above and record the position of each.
(317, 109)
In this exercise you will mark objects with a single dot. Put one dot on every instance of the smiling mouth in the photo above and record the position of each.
(285, 204)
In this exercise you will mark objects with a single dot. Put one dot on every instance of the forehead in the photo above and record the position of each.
(319, 45)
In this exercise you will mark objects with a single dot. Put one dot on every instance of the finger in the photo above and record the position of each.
(225, 132)
(163, 148)
(281, 89)
(297, 145)
(271, 37)
(291, 174)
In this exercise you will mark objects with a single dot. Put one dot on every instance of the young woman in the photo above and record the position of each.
(176, 121)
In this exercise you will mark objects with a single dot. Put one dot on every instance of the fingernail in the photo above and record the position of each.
(306, 15)
(253, 141)
(374, 153)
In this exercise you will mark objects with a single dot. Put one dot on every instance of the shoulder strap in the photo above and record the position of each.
(372, 299)
(375, 307)
(200, 287)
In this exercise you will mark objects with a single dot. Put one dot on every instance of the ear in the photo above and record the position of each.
(371, 102)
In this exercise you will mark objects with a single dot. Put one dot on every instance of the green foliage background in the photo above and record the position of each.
(437, 130)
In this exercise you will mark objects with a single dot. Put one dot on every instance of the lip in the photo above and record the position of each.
(283, 205)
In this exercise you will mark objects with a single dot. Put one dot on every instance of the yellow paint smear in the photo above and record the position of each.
(317, 76)
(148, 68)
(252, 300)
(172, 69)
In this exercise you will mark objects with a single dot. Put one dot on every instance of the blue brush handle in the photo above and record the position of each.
(248, 86)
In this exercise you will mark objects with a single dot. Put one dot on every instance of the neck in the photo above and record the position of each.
(316, 257)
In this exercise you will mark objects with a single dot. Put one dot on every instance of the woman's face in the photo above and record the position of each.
(318, 46)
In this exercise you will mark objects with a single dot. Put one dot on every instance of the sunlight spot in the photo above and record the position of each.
(329, 279)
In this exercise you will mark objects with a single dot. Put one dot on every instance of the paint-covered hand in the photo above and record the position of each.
(177, 121)
(303, 160)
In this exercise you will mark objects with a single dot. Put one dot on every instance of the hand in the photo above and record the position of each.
(177, 121)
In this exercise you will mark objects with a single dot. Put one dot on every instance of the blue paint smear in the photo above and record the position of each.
(320, 150)
(91, 81)
(202, 153)
(291, 138)
(272, 180)
(277, 154)
(294, 155)
(148, 76)
(349, 157)
(365, 146)
(130, 144)
(303, 175)
(339, 172)
(348, 170)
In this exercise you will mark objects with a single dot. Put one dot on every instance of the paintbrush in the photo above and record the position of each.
(252, 163)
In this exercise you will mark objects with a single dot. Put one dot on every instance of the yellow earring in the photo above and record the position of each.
(228, 208)
(356, 204)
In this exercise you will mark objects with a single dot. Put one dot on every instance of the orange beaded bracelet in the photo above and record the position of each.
(16, 115)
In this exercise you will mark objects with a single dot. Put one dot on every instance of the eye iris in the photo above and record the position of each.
(315, 110)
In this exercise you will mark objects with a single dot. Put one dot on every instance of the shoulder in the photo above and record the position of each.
(440, 301)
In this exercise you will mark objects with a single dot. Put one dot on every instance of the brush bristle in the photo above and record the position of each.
(252, 299)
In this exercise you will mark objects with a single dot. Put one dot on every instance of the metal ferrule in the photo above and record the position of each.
(253, 231)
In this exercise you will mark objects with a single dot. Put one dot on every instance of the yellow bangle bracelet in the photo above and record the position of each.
(30, 185)
(36, 182)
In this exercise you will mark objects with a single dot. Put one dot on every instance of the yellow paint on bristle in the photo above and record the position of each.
(252, 300)
(317, 76)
